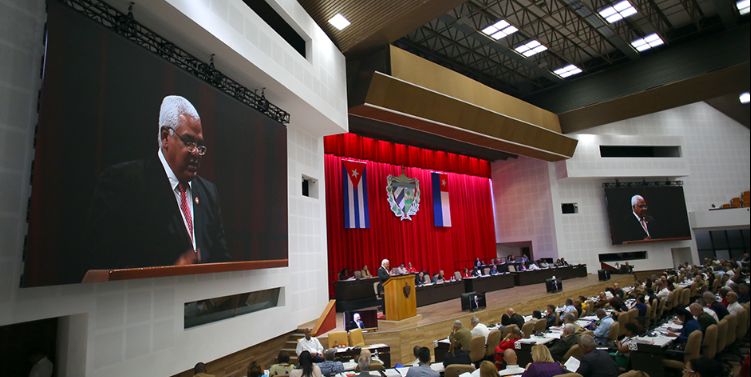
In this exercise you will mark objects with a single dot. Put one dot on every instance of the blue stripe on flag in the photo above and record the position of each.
(437, 209)
(345, 190)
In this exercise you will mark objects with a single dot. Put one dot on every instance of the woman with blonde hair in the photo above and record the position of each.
(542, 364)
(488, 369)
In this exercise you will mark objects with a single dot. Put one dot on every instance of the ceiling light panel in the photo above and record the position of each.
(617, 11)
(744, 98)
(499, 30)
(567, 71)
(530, 48)
(650, 41)
(339, 21)
(742, 6)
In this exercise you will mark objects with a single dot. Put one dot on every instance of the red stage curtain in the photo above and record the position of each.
(428, 247)
(364, 148)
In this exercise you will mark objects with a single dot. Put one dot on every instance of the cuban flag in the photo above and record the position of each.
(441, 207)
(355, 195)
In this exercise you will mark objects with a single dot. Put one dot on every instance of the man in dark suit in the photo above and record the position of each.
(568, 340)
(595, 363)
(357, 322)
(158, 211)
(512, 318)
(383, 274)
(637, 225)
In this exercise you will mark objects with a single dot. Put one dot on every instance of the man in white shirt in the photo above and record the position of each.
(733, 305)
(310, 344)
(512, 367)
(479, 329)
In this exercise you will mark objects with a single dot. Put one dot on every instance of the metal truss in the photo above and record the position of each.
(654, 15)
(694, 11)
(126, 26)
(619, 34)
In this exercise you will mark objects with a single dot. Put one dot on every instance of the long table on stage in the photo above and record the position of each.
(489, 283)
(431, 294)
(355, 294)
(539, 276)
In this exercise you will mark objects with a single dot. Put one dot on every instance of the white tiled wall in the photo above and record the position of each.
(113, 329)
(523, 207)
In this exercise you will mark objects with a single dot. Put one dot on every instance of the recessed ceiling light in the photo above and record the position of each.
(744, 98)
(650, 41)
(339, 21)
(742, 6)
(567, 71)
(617, 11)
(530, 48)
(499, 30)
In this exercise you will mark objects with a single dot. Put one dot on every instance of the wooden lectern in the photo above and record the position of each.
(400, 298)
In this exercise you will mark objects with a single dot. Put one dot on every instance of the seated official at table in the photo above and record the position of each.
(366, 272)
(420, 279)
(468, 274)
(533, 267)
(595, 363)
(423, 368)
(344, 274)
(493, 270)
(542, 364)
(311, 345)
(460, 335)
(568, 340)
(512, 318)
(328, 366)
(411, 269)
(439, 278)
(479, 329)
(551, 317)
(512, 364)
(604, 324)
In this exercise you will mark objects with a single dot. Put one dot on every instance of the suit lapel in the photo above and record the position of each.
(165, 201)
(199, 216)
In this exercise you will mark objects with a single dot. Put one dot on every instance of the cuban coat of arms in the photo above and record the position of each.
(403, 194)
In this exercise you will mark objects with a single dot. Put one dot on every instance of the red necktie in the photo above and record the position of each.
(186, 209)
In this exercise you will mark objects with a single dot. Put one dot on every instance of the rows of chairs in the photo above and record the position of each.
(343, 339)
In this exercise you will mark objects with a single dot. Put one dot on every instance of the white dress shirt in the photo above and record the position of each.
(313, 346)
(510, 370)
(643, 224)
(712, 313)
(174, 182)
(481, 330)
(735, 308)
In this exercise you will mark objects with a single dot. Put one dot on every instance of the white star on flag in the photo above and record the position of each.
(443, 182)
(355, 173)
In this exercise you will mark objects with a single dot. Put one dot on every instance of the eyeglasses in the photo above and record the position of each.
(191, 144)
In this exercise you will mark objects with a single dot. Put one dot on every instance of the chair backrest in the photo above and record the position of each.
(477, 348)
(375, 289)
(356, 339)
(722, 333)
(742, 323)
(660, 309)
(685, 297)
(426, 279)
(732, 327)
(541, 324)
(574, 351)
(338, 338)
(528, 328)
(454, 370)
(457, 275)
(632, 314)
(670, 301)
(613, 334)
(634, 373)
(709, 349)
(693, 346)
(511, 268)
(494, 337)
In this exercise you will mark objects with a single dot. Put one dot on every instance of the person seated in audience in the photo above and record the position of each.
(705, 367)
(623, 352)
(507, 342)
(374, 364)
(460, 335)
(478, 328)
(723, 295)
(311, 345)
(710, 301)
(512, 318)
(416, 352)
(542, 364)
(456, 355)
(563, 262)
(468, 273)
(439, 278)
(617, 291)
(551, 316)
(486, 369)
(733, 305)
(254, 370)
(512, 364)
(743, 293)
(328, 366)
(420, 279)
(618, 305)
(533, 267)
(569, 318)
(306, 366)
(493, 270)
(478, 263)
(282, 366)
(641, 306)
(536, 314)
(690, 324)
(422, 369)
(704, 318)
(543, 263)
(602, 301)
(569, 306)
(604, 323)
(366, 272)
(399, 270)
(363, 364)
(595, 363)
(199, 370)
(569, 338)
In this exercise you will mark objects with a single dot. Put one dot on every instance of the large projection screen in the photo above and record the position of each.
(98, 114)
(658, 213)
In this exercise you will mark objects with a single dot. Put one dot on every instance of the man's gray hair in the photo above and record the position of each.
(383, 262)
(635, 199)
(169, 113)
(569, 328)
(568, 318)
(587, 342)
(475, 320)
(363, 362)
(457, 323)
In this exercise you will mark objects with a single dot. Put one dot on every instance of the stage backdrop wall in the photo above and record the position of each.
(419, 241)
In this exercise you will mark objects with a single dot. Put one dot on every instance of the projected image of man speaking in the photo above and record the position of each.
(639, 224)
(158, 211)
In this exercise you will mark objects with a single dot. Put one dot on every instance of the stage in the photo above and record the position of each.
(434, 321)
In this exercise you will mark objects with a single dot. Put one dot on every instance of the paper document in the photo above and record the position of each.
(572, 364)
